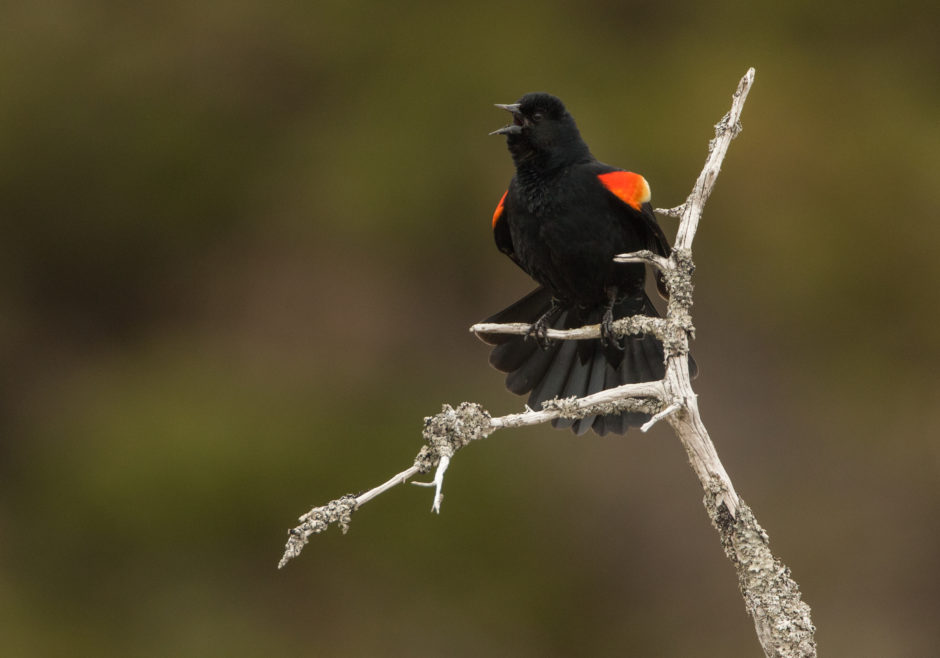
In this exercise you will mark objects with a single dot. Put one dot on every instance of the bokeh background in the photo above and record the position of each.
(241, 246)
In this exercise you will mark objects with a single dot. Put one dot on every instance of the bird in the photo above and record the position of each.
(562, 219)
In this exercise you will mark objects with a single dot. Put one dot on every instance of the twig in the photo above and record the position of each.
(437, 483)
(633, 325)
(644, 256)
(605, 402)
(671, 212)
(668, 411)
(336, 511)
(727, 129)
(452, 429)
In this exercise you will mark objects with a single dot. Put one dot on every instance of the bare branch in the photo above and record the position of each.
(629, 326)
(336, 511)
(665, 413)
(437, 483)
(726, 130)
(782, 620)
(451, 430)
(612, 400)
(586, 332)
(648, 257)
(670, 212)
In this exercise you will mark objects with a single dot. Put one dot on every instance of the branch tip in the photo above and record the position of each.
(668, 411)
(671, 212)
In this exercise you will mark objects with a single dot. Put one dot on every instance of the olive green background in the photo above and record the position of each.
(241, 246)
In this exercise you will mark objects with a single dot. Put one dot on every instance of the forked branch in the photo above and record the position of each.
(782, 620)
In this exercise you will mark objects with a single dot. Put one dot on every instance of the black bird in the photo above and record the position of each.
(562, 220)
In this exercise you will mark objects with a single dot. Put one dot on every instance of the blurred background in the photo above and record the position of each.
(241, 246)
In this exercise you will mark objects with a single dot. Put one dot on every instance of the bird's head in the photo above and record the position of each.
(542, 131)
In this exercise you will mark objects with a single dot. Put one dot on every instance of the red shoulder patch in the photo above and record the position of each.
(630, 188)
(499, 208)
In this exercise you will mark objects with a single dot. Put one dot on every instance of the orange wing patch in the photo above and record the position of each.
(499, 208)
(630, 188)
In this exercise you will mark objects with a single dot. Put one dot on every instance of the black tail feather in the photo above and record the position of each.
(576, 385)
(529, 374)
(511, 355)
(553, 381)
(613, 423)
(643, 368)
(576, 368)
(642, 371)
(595, 383)
(528, 309)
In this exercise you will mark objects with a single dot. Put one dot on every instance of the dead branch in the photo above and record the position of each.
(782, 620)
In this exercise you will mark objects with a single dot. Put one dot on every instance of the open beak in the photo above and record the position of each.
(513, 128)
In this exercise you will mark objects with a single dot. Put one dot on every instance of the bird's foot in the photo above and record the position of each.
(539, 332)
(608, 336)
(539, 328)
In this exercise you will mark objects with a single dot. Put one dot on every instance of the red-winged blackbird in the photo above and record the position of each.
(562, 220)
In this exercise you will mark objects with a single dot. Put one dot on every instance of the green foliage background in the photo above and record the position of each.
(241, 245)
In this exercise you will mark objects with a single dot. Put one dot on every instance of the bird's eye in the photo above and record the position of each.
(537, 116)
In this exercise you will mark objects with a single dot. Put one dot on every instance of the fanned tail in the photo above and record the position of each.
(576, 368)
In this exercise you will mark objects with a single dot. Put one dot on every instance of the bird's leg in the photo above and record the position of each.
(539, 328)
(608, 337)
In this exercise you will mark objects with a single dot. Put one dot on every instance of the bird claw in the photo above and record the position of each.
(539, 328)
(539, 332)
(609, 338)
